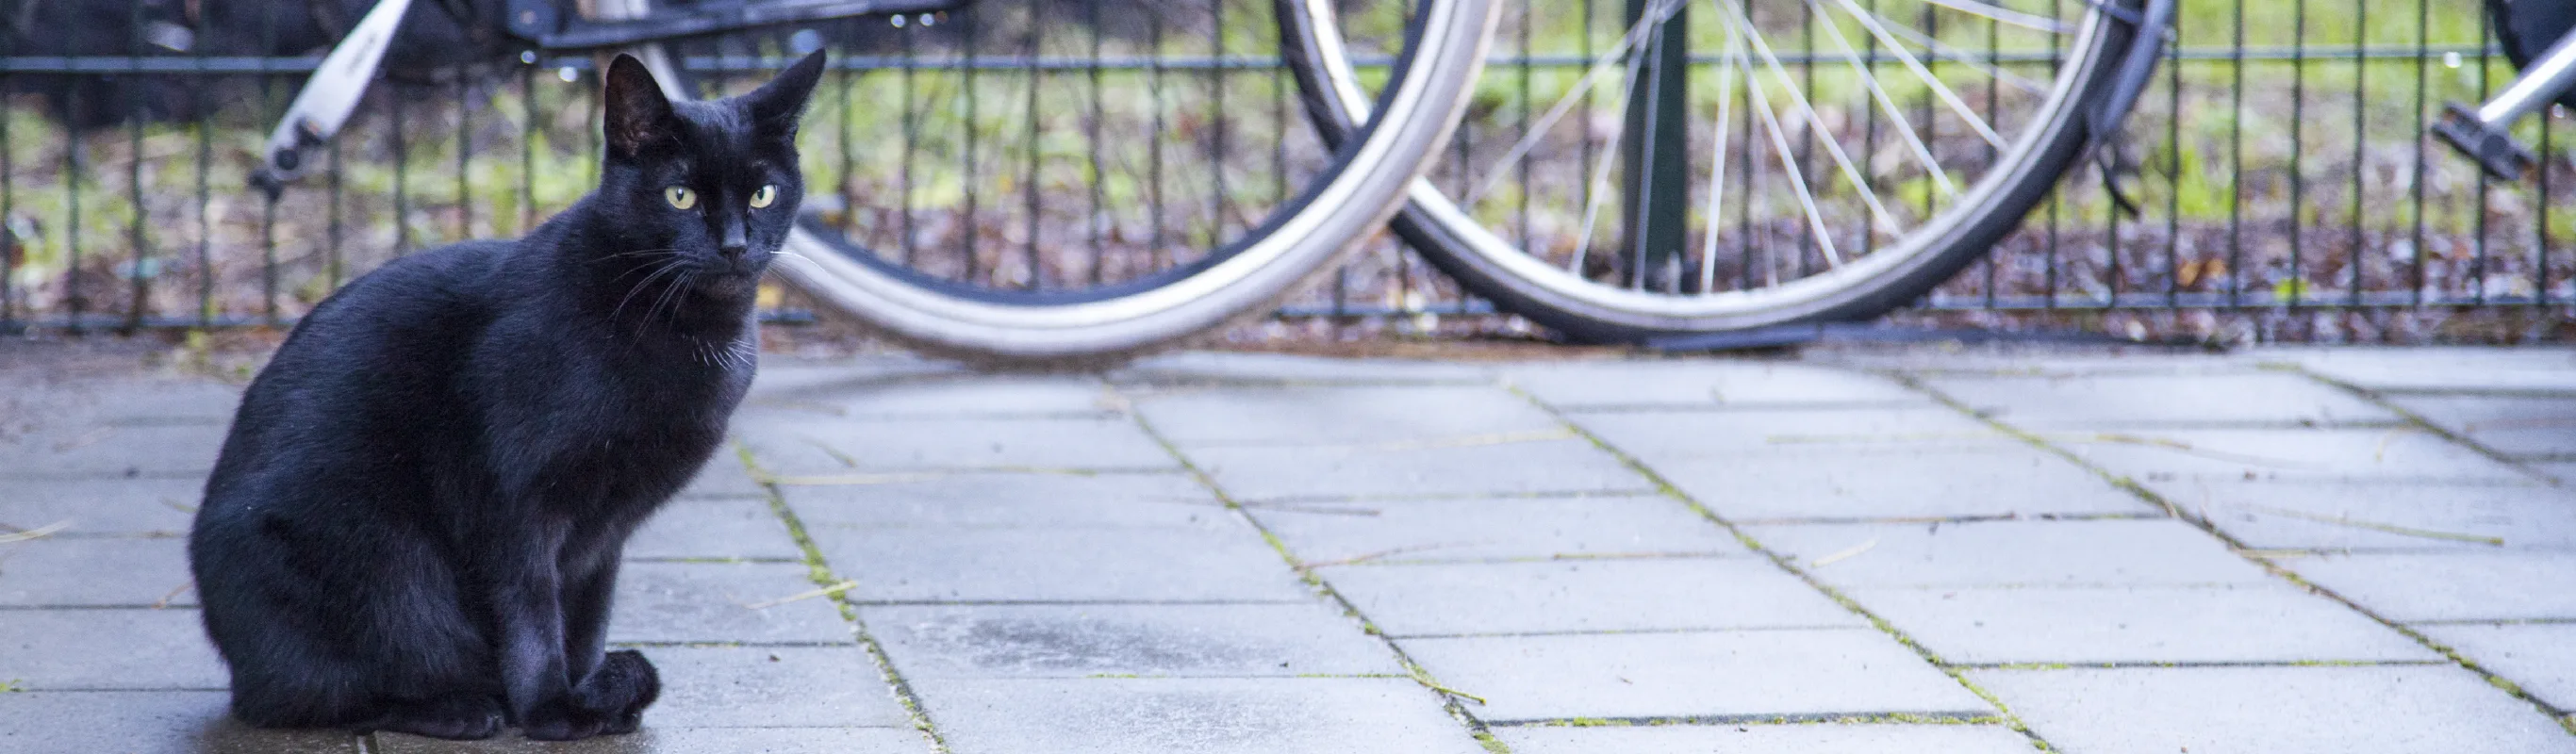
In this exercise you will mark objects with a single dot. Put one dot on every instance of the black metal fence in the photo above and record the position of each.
(2286, 185)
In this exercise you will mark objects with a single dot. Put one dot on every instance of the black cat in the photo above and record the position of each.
(416, 521)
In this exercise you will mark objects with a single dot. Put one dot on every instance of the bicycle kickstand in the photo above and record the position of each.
(327, 99)
(2484, 133)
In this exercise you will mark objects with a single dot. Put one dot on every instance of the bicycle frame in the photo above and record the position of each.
(2482, 133)
(541, 23)
(322, 106)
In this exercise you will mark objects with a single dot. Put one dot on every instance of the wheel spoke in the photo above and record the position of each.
(1904, 127)
(1879, 26)
(2006, 15)
(1833, 147)
(1601, 66)
(1717, 167)
(1938, 89)
(1601, 173)
(1780, 147)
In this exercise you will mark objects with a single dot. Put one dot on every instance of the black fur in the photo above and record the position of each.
(416, 521)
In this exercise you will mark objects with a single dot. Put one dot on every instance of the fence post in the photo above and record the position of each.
(1654, 160)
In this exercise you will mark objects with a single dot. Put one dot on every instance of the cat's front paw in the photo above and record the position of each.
(465, 717)
(561, 720)
(623, 686)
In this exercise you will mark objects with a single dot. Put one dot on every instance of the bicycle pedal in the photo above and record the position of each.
(2493, 147)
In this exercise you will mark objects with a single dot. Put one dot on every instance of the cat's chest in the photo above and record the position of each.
(672, 411)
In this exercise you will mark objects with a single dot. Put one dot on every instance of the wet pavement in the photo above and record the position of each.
(2314, 550)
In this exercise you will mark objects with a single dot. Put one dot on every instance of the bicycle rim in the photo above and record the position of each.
(1890, 270)
(1031, 327)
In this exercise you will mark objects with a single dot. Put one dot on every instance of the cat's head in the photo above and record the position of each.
(709, 187)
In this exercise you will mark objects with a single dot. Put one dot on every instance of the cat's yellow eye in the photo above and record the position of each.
(680, 197)
(764, 196)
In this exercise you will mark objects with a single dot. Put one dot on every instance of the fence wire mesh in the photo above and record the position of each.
(2286, 185)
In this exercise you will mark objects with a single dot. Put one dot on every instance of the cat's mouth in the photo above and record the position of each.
(728, 283)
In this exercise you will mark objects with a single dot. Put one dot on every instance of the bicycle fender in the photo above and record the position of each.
(2146, 46)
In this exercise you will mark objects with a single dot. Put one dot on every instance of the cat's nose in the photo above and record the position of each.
(734, 244)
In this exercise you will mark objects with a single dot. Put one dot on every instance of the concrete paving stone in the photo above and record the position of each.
(1669, 436)
(724, 476)
(654, 739)
(146, 722)
(712, 602)
(1506, 468)
(2128, 399)
(2449, 586)
(2467, 368)
(115, 400)
(107, 649)
(944, 395)
(94, 572)
(2104, 552)
(1220, 368)
(103, 506)
(1855, 738)
(2383, 515)
(1366, 415)
(1223, 559)
(1198, 715)
(1725, 675)
(788, 375)
(1595, 595)
(1962, 479)
(1578, 385)
(2539, 657)
(808, 446)
(2249, 623)
(1005, 500)
(172, 450)
(771, 687)
(1494, 528)
(2049, 360)
(2305, 454)
(1074, 641)
(2521, 426)
(714, 528)
(2273, 710)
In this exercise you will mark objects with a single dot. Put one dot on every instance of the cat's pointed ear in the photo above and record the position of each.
(777, 106)
(639, 115)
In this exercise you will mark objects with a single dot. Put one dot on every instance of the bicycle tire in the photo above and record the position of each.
(1047, 330)
(1587, 311)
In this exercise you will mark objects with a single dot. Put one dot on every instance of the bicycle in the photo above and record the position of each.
(1028, 325)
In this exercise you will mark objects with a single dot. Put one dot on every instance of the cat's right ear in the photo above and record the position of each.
(639, 116)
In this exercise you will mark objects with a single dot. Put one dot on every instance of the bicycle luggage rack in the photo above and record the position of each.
(541, 23)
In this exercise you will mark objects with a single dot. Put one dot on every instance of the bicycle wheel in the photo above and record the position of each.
(1037, 316)
(1856, 154)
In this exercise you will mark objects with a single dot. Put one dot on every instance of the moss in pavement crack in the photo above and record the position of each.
(2237, 545)
(1450, 699)
(822, 576)
(1783, 562)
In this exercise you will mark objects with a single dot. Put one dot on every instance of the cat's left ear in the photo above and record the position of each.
(777, 106)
